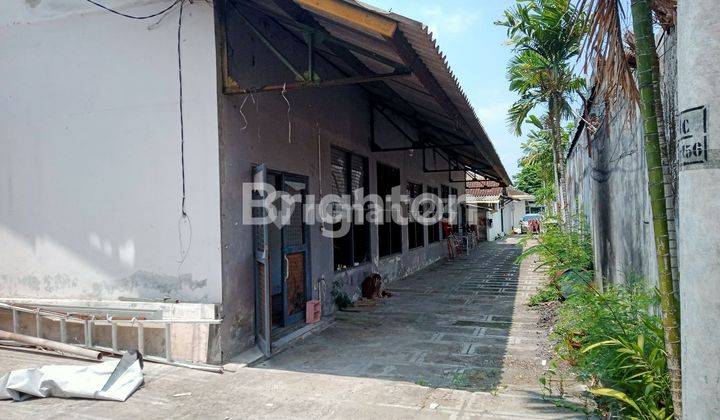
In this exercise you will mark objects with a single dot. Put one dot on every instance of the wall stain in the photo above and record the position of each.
(147, 284)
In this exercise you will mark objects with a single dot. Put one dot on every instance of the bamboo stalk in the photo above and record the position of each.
(646, 56)
(50, 344)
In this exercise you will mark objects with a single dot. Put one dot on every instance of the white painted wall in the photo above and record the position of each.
(518, 211)
(90, 181)
(512, 213)
(496, 227)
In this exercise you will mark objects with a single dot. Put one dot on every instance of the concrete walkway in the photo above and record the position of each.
(454, 341)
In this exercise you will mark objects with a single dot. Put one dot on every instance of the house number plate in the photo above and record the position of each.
(693, 136)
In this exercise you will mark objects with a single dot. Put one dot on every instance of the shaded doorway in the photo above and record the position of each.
(282, 272)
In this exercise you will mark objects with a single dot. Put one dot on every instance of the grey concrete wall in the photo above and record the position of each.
(699, 200)
(90, 180)
(257, 132)
(608, 183)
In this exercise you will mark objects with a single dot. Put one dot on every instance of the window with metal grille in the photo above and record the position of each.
(434, 229)
(389, 232)
(349, 173)
(416, 231)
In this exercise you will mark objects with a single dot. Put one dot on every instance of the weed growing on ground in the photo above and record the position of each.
(562, 249)
(342, 300)
(610, 338)
(546, 293)
(460, 380)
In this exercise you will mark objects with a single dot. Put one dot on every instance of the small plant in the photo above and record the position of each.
(612, 340)
(461, 380)
(546, 293)
(342, 300)
(609, 338)
(562, 250)
(639, 379)
(552, 376)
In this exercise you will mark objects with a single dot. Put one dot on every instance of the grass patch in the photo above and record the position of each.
(546, 293)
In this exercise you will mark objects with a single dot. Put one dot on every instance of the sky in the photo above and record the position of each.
(477, 55)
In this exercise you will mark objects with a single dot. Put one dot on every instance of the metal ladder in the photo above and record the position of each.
(91, 321)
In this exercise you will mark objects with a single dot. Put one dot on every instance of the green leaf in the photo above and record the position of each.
(602, 343)
(620, 396)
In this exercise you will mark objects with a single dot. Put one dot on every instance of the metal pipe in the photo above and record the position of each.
(268, 44)
(50, 344)
(352, 80)
(127, 322)
(168, 343)
(158, 359)
(114, 335)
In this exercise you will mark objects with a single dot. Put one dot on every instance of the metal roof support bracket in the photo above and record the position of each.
(298, 76)
(309, 78)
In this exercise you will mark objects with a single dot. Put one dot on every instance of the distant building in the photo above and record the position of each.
(500, 210)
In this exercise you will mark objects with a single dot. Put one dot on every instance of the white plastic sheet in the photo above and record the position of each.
(113, 380)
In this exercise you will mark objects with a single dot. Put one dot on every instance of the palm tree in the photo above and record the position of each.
(537, 167)
(545, 35)
(605, 44)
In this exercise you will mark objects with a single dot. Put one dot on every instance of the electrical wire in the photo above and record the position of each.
(182, 125)
(183, 211)
(242, 105)
(284, 90)
(184, 250)
(136, 17)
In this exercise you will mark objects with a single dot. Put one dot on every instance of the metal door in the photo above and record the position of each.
(262, 265)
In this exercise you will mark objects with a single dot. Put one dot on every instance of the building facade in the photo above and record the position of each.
(111, 203)
(500, 209)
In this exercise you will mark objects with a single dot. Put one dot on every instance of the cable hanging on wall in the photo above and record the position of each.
(284, 91)
(136, 17)
(183, 211)
(184, 250)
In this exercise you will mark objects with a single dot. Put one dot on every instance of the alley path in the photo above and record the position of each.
(454, 341)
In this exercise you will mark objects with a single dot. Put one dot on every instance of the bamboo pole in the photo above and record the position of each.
(645, 41)
(50, 344)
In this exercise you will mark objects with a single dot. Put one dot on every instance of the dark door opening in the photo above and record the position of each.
(282, 254)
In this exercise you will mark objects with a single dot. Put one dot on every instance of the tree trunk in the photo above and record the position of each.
(668, 175)
(558, 160)
(642, 25)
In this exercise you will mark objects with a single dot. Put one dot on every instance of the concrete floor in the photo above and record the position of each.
(456, 340)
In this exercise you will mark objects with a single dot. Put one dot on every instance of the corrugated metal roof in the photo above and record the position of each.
(490, 194)
(464, 124)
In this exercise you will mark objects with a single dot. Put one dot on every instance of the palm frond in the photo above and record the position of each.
(665, 12)
(518, 112)
(604, 49)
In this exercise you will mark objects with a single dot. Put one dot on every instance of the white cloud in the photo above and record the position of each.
(493, 113)
(452, 22)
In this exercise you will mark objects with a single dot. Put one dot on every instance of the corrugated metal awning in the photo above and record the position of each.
(366, 41)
